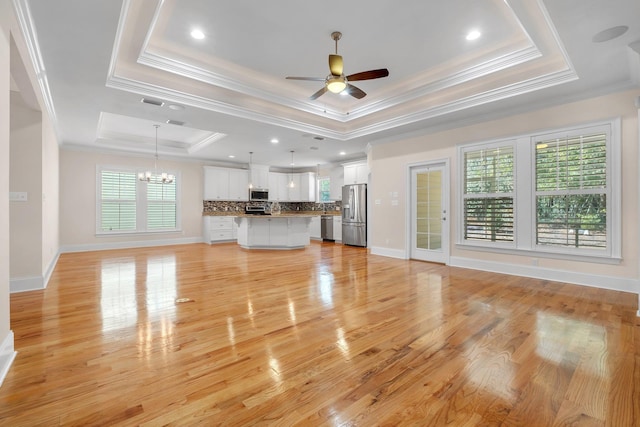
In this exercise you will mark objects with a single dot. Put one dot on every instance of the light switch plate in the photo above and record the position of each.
(18, 196)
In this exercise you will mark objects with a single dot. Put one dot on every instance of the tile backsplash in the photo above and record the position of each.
(222, 206)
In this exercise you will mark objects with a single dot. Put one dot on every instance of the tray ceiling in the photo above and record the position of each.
(229, 88)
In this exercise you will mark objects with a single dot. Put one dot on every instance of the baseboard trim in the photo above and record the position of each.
(49, 272)
(25, 284)
(35, 283)
(128, 245)
(592, 280)
(391, 253)
(7, 356)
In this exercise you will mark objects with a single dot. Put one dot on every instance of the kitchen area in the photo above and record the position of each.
(263, 209)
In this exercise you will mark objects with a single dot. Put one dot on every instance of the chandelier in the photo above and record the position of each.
(162, 178)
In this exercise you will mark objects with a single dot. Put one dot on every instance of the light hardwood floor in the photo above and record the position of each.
(328, 335)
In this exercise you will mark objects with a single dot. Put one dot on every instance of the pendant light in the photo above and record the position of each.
(164, 177)
(250, 160)
(291, 184)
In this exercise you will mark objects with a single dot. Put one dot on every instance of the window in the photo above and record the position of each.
(571, 191)
(161, 205)
(126, 205)
(488, 193)
(118, 201)
(324, 189)
(554, 193)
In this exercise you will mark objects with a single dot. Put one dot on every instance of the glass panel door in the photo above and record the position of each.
(429, 215)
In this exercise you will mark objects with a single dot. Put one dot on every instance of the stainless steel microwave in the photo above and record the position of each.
(258, 194)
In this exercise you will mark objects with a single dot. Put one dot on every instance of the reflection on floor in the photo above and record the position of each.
(328, 335)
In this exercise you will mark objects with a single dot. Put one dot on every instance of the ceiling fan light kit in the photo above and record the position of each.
(337, 82)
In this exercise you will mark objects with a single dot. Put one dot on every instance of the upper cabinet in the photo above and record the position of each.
(356, 173)
(233, 184)
(303, 190)
(308, 187)
(278, 191)
(239, 185)
(225, 184)
(259, 176)
(336, 181)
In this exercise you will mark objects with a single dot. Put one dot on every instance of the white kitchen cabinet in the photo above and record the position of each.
(336, 181)
(294, 192)
(278, 232)
(278, 190)
(307, 187)
(225, 184)
(259, 176)
(303, 190)
(337, 228)
(216, 183)
(238, 185)
(219, 229)
(356, 173)
(260, 232)
(315, 228)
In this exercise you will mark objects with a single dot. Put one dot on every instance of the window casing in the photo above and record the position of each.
(564, 197)
(127, 205)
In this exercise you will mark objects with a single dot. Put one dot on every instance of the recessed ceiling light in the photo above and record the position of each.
(197, 34)
(231, 156)
(176, 107)
(274, 140)
(473, 35)
(342, 153)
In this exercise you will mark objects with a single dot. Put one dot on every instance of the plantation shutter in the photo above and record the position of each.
(571, 191)
(488, 194)
(161, 205)
(118, 201)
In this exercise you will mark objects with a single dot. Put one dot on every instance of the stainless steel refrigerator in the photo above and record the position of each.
(354, 215)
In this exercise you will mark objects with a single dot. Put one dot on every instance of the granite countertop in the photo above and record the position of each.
(282, 214)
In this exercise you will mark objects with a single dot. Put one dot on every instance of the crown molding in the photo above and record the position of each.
(147, 89)
(28, 31)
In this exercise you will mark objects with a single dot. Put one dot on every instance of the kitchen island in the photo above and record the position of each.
(273, 231)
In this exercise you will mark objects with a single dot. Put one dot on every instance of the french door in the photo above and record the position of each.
(429, 212)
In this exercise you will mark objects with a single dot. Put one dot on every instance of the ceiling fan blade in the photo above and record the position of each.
(313, 79)
(355, 91)
(368, 75)
(318, 93)
(335, 65)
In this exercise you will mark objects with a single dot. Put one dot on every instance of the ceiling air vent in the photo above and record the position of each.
(152, 101)
(175, 122)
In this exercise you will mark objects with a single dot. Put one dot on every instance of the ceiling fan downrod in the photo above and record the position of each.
(336, 35)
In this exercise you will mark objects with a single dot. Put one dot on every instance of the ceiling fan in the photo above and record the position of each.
(337, 82)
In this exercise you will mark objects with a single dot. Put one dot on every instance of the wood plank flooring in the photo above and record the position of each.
(325, 336)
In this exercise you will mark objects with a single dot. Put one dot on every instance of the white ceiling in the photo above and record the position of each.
(98, 60)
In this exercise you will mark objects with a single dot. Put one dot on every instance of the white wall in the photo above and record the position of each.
(78, 201)
(50, 199)
(389, 163)
(25, 176)
(7, 352)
